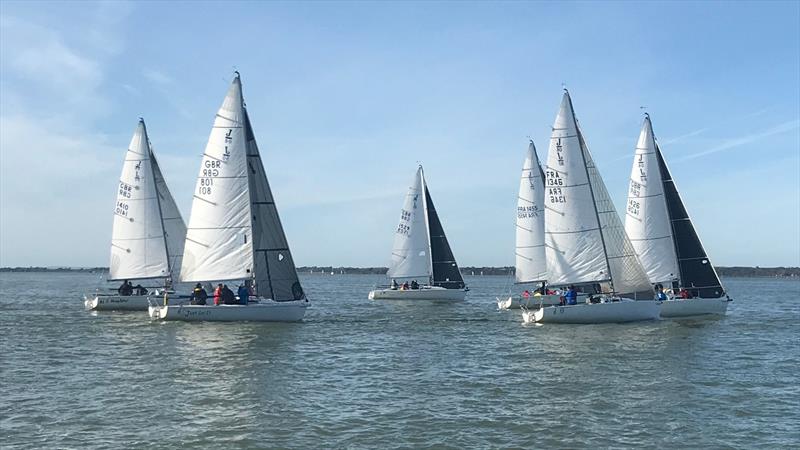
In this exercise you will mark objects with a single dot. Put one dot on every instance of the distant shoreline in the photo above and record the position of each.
(734, 272)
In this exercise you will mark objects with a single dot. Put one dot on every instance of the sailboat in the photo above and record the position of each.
(530, 254)
(421, 252)
(585, 242)
(234, 231)
(148, 231)
(665, 239)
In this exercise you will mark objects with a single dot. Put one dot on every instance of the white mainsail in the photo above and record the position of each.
(174, 228)
(411, 249)
(647, 221)
(574, 244)
(219, 239)
(530, 252)
(585, 238)
(138, 247)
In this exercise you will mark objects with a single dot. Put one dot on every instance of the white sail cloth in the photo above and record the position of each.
(411, 249)
(647, 221)
(531, 264)
(219, 240)
(138, 248)
(174, 227)
(585, 238)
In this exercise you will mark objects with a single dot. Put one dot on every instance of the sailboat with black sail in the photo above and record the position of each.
(530, 262)
(665, 238)
(585, 242)
(234, 233)
(421, 252)
(147, 234)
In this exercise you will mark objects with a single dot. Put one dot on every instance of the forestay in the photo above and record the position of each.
(219, 239)
(410, 252)
(647, 221)
(531, 257)
(138, 249)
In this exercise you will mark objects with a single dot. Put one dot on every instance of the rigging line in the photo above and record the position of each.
(207, 201)
(651, 239)
(196, 242)
(226, 118)
(648, 196)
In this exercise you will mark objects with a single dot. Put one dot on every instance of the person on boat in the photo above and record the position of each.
(685, 294)
(660, 294)
(227, 296)
(244, 294)
(218, 294)
(199, 295)
(126, 288)
(141, 290)
(526, 294)
(393, 285)
(404, 287)
(571, 296)
(542, 290)
(414, 284)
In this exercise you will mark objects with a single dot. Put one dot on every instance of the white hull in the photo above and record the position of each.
(529, 303)
(609, 312)
(693, 307)
(116, 302)
(266, 311)
(427, 293)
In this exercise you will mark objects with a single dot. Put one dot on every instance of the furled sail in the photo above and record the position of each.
(411, 250)
(696, 271)
(138, 249)
(531, 264)
(219, 238)
(647, 221)
(445, 269)
(574, 244)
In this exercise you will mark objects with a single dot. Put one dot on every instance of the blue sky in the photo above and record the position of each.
(345, 98)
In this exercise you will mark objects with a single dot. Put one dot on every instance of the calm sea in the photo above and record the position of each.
(363, 374)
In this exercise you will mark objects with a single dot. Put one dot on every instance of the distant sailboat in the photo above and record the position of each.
(421, 252)
(148, 231)
(664, 237)
(531, 264)
(234, 231)
(586, 244)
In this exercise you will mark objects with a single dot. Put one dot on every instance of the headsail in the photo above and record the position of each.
(696, 271)
(411, 250)
(275, 273)
(219, 239)
(647, 220)
(445, 269)
(531, 263)
(174, 227)
(138, 248)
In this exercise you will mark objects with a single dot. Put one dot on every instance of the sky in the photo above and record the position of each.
(346, 98)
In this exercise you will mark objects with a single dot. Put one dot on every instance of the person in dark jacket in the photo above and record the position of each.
(571, 296)
(244, 294)
(227, 296)
(199, 295)
(126, 288)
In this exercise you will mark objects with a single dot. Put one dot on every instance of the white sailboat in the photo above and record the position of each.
(530, 261)
(148, 231)
(665, 239)
(421, 252)
(585, 241)
(234, 231)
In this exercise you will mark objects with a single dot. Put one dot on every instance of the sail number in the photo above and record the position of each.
(402, 228)
(525, 212)
(633, 207)
(125, 190)
(209, 171)
(121, 209)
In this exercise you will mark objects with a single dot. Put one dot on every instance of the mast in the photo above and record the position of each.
(424, 193)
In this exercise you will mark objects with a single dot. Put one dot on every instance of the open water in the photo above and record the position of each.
(363, 374)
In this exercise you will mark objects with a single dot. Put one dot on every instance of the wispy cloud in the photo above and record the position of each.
(156, 76)
(744, 140)
(683, 136)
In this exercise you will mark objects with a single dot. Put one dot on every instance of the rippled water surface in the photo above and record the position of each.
(363, 374)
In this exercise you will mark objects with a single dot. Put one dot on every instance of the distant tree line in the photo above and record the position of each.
(737, 271)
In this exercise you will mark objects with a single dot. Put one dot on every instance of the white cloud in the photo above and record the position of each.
(743, 140)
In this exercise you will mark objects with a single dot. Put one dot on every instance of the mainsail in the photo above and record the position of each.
(647, 220)
(411, 250)
(445, 269)
(234, 230)
(146, 221)
(585, 239)
(530, 252)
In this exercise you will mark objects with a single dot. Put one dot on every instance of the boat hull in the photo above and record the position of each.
(531, 302)
(116, 302)
(428, 293)
(608, 312)
(694, 307)
(268, 311)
